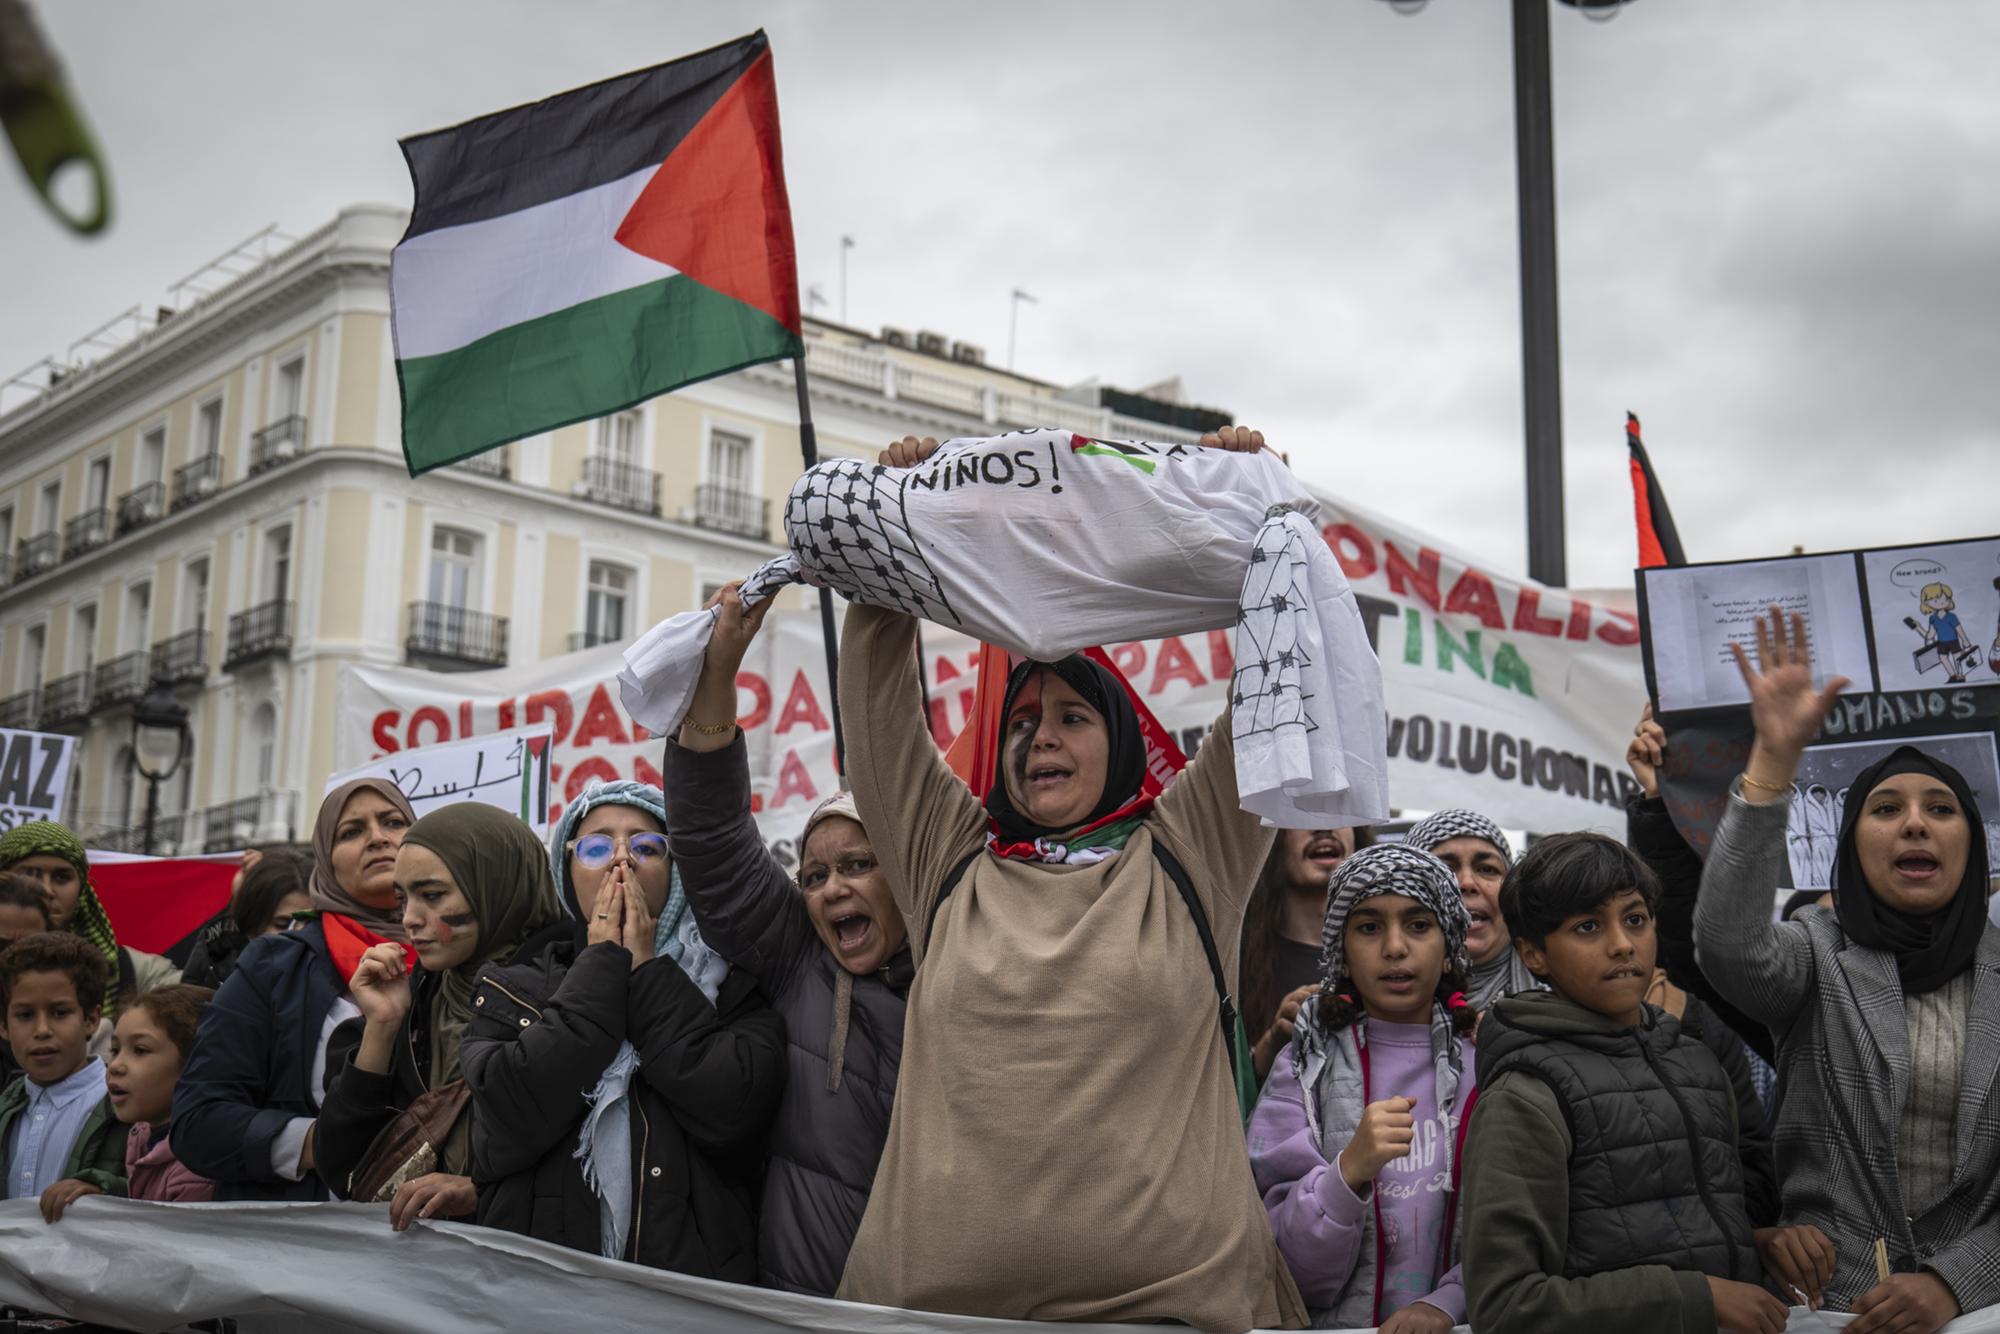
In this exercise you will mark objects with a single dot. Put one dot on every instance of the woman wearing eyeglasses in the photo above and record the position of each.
(830, 949)
(624, 1080)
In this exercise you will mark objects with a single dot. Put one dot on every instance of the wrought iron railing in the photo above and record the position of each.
(621, 485)
(198, 480)
(92, 528)
(732, 511)
(21, 710)
(34, 554)
(182, 659)
(125, 678)
(280, 442)
(493, 463)
(440, 630)
(261, 632)
(65, 700)
(140, 506)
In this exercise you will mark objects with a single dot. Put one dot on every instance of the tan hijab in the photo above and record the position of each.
(325, 890)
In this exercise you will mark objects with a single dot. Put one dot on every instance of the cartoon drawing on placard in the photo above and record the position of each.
(1819, 794)
(1928, 605)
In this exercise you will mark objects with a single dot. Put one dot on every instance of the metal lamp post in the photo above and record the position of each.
(161, 740)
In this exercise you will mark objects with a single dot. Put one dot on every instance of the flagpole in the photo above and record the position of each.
(809, 446)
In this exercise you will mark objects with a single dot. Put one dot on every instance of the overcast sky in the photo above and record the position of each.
(1780, 222)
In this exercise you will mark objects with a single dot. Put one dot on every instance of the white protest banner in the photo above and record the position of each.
(34, 775)
(1504, 696)
(508, 770)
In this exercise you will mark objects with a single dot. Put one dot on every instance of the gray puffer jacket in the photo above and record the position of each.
(834, 1118)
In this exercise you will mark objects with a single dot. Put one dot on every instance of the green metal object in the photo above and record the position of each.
(45, 128)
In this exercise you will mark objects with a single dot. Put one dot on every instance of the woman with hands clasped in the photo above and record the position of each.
(1883, 1012)
(474, 888)
(623, 1075)
(1356, 1143)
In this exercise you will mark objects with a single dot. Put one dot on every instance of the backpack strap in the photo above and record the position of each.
(1226, 1009)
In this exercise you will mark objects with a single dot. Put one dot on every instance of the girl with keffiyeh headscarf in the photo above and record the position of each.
(1066, 1142)
(623, 1075)
(55, 857)
(281, 1026)
(1356, 1143)
(1883, 1010)
(474, 887)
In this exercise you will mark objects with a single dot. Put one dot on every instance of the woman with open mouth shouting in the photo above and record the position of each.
(1476, 851)
(1356, 1142)
(1883, 1011)
(1066, 1142)
(829, 948)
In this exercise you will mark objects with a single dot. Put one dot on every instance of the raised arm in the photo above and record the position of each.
(1201, 816)
(1764, 967)
(920, 817)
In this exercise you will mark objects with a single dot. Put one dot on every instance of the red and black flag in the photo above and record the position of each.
(1659, 541)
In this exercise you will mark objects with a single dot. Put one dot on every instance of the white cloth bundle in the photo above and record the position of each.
(1044, 543)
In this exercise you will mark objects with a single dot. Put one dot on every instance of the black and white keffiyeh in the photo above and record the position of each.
(1448, 825)
(1390, 868)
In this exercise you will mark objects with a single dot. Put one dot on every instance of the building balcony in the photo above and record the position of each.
(620, 485)
(141, 506)
(264, 631)
(729, 510)
(125, 678)
(280, 442)
(268, 817)
(448, 635)
(65, 702)
(20, 711)
(167, 837)
(90, 529)
(197, 481)
(493, 463)
(32, 555)
(182, 659)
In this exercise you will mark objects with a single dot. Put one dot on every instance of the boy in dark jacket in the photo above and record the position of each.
(1602, 1184)
(58, 1138)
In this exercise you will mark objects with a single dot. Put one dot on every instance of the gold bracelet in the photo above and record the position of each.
(708, 729)
(1748, 781)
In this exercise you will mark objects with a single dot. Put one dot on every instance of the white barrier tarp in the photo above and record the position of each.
(338, 1269)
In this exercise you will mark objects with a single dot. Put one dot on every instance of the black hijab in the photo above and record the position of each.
(1930, 950)
(1125, 770)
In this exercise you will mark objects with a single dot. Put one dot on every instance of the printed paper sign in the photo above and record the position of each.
(506, 770)
(34, 775)
(1935, 611)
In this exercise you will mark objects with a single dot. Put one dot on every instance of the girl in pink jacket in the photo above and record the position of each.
(153, 1036)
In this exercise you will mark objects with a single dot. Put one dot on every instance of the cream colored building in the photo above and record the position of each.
(212, 493)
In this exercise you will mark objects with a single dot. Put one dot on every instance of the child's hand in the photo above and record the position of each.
(437, 1195)
(62, 1195)
(381, 985)
(1646, 752)
(1280, 1032)
(1386, 1131)
(907, 452)
(1746, 1308)
(1799, 1259)
(1235, 439)
(1417, 1318)
(1907, 1304)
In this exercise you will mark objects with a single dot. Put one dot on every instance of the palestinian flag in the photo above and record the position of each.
(1659, 540)
(571, 258)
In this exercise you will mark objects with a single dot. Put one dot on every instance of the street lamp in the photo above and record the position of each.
(161, 739)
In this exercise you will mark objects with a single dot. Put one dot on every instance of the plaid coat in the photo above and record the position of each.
(1836, 1010)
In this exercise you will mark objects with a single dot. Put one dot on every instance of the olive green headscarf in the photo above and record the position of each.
(503, 871)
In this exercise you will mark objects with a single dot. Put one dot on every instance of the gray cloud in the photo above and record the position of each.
(1778, 221)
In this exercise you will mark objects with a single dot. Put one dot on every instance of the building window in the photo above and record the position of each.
(606, 603)
(622, 437)
(97, 484)
(729, 460)
(454, 565)
(290, 397)
(194, 595)
(208, 429)
(34, 651)
(83, 646)
(153, 456)
(264, 745)
(50, 513)
(278, 565)
(6, 532)
(138, 617)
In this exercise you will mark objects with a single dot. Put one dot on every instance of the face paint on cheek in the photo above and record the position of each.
(451, 923)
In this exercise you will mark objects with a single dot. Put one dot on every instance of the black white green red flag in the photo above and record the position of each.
(575, 256)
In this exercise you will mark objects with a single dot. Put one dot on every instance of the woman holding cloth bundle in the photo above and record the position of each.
(1066, 1142)
(1883, 1011)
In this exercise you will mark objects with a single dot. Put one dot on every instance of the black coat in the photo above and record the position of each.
(708, 1082)
(360, 1103)
(250, 1073)
(1650, 832)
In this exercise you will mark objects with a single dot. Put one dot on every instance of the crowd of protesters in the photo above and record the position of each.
(969, 1057)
